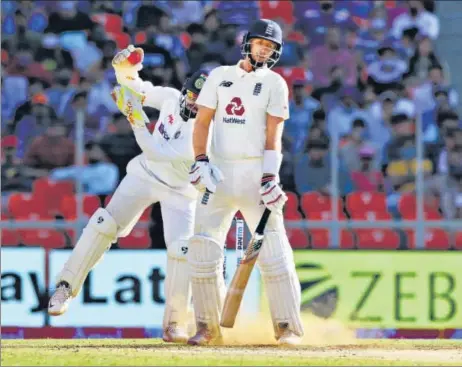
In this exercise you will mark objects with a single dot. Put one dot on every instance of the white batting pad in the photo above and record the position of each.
(177, 286)
(281, 282)
(205, 258)
(96, 238)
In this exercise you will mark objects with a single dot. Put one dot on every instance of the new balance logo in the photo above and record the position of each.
(100, 220)
(257, 89)
(226, 84)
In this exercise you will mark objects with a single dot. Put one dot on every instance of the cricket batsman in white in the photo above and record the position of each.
(248, 103)
(159, 174)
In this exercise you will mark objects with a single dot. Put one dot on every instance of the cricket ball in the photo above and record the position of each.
(134, 58)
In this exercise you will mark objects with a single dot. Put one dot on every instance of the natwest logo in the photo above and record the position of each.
(235, 107)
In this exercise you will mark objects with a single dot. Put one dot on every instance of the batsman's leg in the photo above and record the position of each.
(178, 219)
(104, 227)
(205, 257)
(278, 273)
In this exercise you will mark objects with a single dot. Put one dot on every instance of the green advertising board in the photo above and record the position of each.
(379, 289)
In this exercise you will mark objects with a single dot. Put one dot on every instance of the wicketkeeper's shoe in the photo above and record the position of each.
(174, 334)
(59, 301)
(289, 339)
(205, 336)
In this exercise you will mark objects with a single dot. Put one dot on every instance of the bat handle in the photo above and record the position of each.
(206, 197)
(264, 219)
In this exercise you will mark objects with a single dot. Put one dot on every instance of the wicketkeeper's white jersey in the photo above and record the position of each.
(242, 101)
(168, 152)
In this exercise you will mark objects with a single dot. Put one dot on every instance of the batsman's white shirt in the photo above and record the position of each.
(242, 101)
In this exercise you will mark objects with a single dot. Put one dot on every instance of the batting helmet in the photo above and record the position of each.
(266, 29)
(189, 93)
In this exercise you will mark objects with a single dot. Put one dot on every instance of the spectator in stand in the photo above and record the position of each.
(99, 177)
(423, 60)
(355, 142)
(162, 34)
(372, 37)
(417, 16)
(15, 176)
(340, 118)
(328, 95)
(23, 64)
(68, 18)
(448, 186)
(301, 107)
(61, 92)
(331, 54)
(184, 12)
(367, 177)
(198, 47)
(52, 56)
(388, 70)
(401, 159)
(51, 150)
(314, 17)
(312, 171)
(293, 52)
(407, 44)
(424, 95)
(120, 146)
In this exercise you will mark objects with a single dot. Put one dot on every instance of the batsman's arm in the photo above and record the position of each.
(201, 130)
(277, 112)
(207, 104)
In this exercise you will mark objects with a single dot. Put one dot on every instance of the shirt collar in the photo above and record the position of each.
(241, 72)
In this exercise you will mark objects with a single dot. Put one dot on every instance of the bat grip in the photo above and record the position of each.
(264, 219)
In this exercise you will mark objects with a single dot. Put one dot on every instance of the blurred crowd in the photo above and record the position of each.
(362, 74)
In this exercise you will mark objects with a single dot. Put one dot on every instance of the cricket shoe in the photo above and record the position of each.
(174, 334)
(289, 339)
(205, 336)
(59, 301)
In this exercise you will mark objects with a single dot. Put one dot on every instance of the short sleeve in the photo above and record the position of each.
(279, 99)
(208, 96)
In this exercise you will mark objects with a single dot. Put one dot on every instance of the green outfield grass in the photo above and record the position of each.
(149, 352)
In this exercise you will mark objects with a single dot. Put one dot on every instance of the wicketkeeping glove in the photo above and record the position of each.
(131, 105)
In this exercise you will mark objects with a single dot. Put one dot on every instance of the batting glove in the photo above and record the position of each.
(272, 194)
(204, 176)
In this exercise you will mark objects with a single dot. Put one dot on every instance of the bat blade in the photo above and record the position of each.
(241, 277)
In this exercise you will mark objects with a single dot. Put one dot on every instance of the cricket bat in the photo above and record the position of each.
(241, 276)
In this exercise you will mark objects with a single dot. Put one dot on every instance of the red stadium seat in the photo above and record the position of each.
(24, 205)
(297, 238)
(68, 206)
(320, 237)
(377, 238)
(44, 237)
(290, 75)
(435, 239)
(292, 215)
(292, 201)
(458, 241)
(277, 9)
(371, 216)
(137, 239)
(407, 204)
(358, 202)
(314, 202)
(50, 193)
